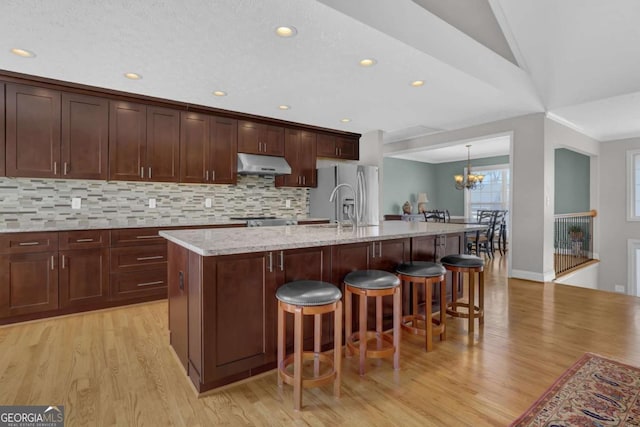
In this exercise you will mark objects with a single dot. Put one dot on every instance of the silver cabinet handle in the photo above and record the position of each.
(213, 175)
(63, 262)
(147, 237)
(380, 249)
(149, 174)
(28, 243)
(373, 249)
(83, 240)
(159, 282)
(270, 262)
(148, 258)
(141, 172)
(304, 179)
(206, 175)
(52, 263)
(281, 260)
(65, 168)
(55, 168)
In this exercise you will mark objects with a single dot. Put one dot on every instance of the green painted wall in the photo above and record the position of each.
(404, 179)
(572, 181)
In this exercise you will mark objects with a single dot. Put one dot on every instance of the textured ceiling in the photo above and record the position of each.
(574, 54)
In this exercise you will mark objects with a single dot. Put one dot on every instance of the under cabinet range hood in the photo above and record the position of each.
(253, 164)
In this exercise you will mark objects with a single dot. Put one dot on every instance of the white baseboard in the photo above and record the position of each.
(547, 276)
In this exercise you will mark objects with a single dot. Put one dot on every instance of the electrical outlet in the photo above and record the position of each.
(287, 203)
(208, 202)
(619, 288)
(152, 203)
(76, 203)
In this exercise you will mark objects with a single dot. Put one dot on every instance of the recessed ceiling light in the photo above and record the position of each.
(417, 83)
(284, 107)
(22, 52)
(133, 76)
(345, 120)
(367, 62)
(286, 31)
(220, 93)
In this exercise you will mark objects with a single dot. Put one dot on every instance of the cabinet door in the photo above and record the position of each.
(127, 141)
(238, 295)
(29, 283)
(84, 277)
(387, 254)
(223, 148)
(177, 280)
(33, 131)
(348, 258)
(307, 159)
(291, 155)
(423, 248)
(249, 137)
(163, 141)
(194, 147)
(347, 148)
(326, 145)
(85, 131)
(2, 132)
(273, 138)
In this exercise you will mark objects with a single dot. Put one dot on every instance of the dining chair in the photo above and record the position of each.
(483, 239)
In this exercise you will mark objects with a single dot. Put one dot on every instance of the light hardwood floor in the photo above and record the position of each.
(116, 367)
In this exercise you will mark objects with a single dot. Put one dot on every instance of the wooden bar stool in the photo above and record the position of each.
(372, 283)
(309, 297)
(427, 274)
(470, 265)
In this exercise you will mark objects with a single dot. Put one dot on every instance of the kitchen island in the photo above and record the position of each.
(222, 284)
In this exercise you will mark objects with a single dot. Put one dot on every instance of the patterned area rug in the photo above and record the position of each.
(595, 391)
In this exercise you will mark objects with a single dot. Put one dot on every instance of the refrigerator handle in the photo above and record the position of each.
(362, 199)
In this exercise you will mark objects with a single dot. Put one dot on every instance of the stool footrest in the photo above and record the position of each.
(309, 381)
(437, 327)
(372, 337)
(452, 310)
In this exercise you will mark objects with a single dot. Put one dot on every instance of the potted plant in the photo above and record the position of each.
(575, 232)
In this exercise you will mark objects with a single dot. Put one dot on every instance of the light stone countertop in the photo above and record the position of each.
(227, 241)
(105, 223)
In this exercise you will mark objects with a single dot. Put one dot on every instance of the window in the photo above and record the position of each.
(633, 185)
(495, 192)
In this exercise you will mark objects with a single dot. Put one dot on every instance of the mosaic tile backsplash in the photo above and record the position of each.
(27, 203)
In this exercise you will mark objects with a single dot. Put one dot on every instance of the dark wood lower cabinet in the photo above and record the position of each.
(231, 317)
(29, 283)
(84, 277)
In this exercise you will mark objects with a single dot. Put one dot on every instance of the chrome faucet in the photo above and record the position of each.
(352, 217)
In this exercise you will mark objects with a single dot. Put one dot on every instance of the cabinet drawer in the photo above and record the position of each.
(136, 236)
(139, 283)
(84, 239)
(20, 243)
(138, 258)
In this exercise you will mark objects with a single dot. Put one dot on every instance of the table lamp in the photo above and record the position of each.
(422, 202)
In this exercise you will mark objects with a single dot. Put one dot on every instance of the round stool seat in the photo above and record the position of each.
(308, 292)
(421, 269)
(463, 260)
(371, 279)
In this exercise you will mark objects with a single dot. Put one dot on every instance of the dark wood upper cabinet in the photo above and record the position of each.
(223, 150)
(127, 141)
(338, 147)
(2, 131)
(143, 142)
(259, 138)
(85, 133)
(300, 153)
(163, 138)
(208, 146)
(194, 147)
(32, 131)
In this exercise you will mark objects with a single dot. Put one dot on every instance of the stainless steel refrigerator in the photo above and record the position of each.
(363, 179)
